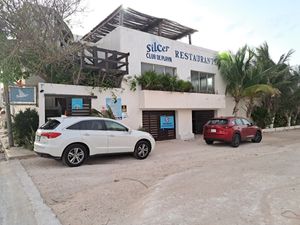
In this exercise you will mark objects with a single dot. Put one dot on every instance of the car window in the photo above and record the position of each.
(238, 122)
(111, 125)
(246, 122)
(218, 122)
(88, 125)
(50, 125)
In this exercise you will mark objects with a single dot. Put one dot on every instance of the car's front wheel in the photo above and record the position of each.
(257, 138)
(74, 155)
(142, 150)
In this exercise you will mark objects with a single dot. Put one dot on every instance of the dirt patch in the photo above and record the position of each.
(182, 182)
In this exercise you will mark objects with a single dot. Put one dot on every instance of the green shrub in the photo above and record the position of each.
(24, 127)
(280, 120)
(261, 117)
(163, 82)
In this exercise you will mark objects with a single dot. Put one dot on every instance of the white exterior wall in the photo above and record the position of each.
(97, 103)
(135, 42)
(184, 124)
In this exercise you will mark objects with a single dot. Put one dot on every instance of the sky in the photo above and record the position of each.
(222, 25)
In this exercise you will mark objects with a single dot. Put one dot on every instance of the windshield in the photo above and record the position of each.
(218, 122)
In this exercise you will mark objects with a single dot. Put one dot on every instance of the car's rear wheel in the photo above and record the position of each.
(236, 140)
(142, 150)
(257, 138)
(74, 155)
(209, 142)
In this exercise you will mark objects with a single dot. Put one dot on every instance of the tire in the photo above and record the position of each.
(257, 138)
(236, 140)
(209, 142)
(142, 150)
(74, 155)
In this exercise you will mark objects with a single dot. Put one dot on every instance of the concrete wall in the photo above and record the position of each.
(180, 100)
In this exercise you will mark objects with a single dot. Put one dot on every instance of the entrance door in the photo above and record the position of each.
(160, 124)
(200, 118)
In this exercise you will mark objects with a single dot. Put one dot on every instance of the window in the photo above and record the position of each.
(88, 125)
(110, 125)
(238, 122)
(246, 122)
(158, 69)
(218, 122)
(50, 125)
(203, 82)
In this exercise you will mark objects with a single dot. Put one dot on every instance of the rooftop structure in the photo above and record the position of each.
(133, 19)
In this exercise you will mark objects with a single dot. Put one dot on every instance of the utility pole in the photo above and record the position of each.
(8, 116)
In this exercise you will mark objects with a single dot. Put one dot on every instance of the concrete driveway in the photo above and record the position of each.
(182, 182)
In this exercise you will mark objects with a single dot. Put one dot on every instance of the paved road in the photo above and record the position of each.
(186, 183)
(20, 201)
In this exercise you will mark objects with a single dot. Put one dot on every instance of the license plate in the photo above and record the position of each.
(213, 130)
(38, 138)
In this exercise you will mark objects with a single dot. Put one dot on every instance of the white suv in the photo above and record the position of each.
(74, 139)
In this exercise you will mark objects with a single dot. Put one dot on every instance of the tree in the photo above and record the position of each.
(42, 38)
(235, 68)
(289, 102)
(276, 74)
(245, 78)
(10, 71)
(34, 39)
(254, 93)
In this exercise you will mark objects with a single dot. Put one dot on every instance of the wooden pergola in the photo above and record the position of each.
(130, 18)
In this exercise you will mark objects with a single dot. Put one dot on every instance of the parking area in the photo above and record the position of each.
(181, 182)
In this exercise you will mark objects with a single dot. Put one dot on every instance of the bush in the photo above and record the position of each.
(280, 120)
(163, 82)
(261, 117)
(24, 127)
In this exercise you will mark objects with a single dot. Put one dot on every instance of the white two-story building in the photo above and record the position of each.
(153, 44)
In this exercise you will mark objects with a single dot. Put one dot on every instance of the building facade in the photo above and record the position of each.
(151, 47)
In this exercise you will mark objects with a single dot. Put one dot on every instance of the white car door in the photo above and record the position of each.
(93, 134)
(119, 138)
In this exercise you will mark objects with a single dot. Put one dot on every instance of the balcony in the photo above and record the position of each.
(180, 100)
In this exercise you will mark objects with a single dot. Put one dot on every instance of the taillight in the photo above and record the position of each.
(50, 135)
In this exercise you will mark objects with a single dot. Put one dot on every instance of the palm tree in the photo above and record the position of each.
(254, 93)
(276, 74)
(243, 77)
(235, 69)
(289, 103)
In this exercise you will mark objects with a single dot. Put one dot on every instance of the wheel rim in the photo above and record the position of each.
(75, 156)
(143, 150)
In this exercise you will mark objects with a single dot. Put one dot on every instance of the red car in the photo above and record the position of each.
(232, 130)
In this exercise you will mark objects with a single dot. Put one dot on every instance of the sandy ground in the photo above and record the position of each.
(181, 182)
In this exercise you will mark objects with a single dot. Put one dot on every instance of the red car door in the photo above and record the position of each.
(251, 130)
(242, 128)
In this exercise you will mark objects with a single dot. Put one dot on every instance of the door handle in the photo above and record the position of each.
(111, 135)
(86, 135)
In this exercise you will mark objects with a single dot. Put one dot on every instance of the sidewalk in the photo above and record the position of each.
(21, 202)
(13, 152)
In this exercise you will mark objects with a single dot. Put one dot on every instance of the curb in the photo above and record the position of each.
(11, 157)
(279, 129)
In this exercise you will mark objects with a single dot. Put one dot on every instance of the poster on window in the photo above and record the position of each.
(22, 95)
(116, 106)
(166, 122)
(77, 103)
